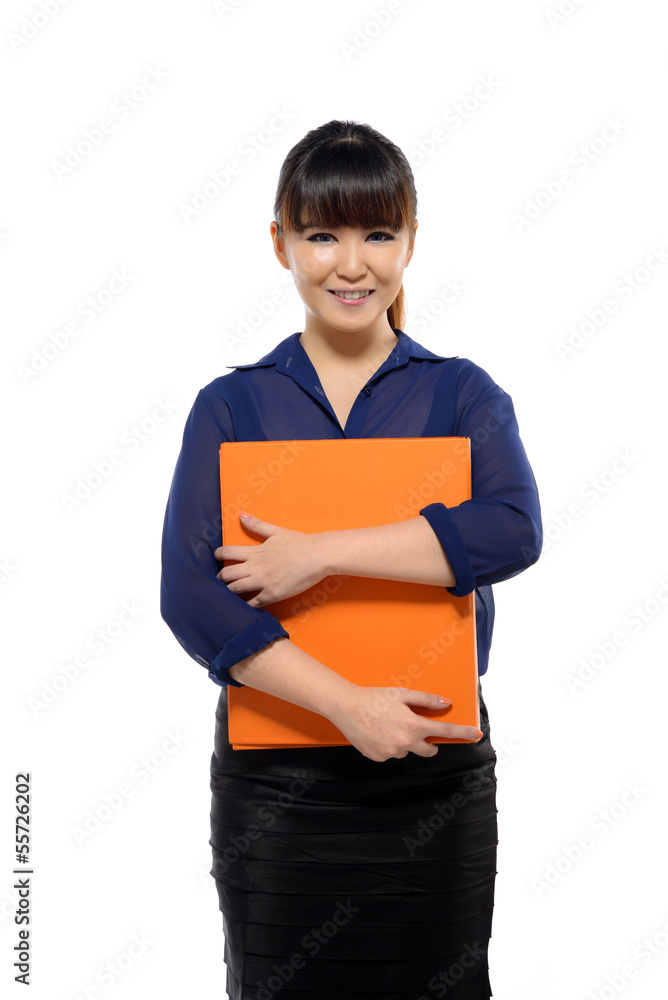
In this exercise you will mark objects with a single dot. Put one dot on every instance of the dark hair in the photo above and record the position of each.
(347, 174)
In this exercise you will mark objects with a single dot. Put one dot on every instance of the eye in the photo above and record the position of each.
(386, 237)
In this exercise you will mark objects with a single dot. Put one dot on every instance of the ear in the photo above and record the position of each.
(411, 244)
(279, 245)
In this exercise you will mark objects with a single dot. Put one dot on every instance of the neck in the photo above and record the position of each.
(337, 346)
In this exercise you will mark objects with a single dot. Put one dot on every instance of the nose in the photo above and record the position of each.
(351, 258)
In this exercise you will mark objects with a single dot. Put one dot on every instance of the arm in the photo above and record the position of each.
(215, 626)
(286, 671)
(405, 550)
(490, 538)
(379, 722)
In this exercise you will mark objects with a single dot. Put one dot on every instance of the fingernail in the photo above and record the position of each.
(242, 513)
(445, 701)
(479, 735)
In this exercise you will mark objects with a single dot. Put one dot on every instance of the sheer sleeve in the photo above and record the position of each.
(215, 626)
(498, 533)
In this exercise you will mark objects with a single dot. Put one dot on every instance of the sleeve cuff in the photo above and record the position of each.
(255, 636)
(448, 535)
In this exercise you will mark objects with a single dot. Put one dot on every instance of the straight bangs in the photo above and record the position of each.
(345, 184)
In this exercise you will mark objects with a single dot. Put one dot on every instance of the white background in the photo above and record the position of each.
(568, 757)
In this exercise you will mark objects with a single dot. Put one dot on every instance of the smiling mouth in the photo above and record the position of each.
(351, 296)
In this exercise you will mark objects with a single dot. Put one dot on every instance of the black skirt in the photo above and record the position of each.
(342, 877)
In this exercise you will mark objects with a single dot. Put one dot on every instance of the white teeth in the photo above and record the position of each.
(352, 295)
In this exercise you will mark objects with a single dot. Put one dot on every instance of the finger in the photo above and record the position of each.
(238, 587)
(425, 749)
(426, 699)
(255, 524)
(242, 586)
(231, 552)
(256, 602)
(229, 574)
(454, 732)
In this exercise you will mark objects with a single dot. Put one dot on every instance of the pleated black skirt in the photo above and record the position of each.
(342, 877)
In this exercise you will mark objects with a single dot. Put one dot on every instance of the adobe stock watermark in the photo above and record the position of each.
(311, 943)
(94, 136)
(634, 621)
(439, 985)
(116, 968)
(643, 954)
(8, 569)
(376, 23)
(315, 598)
(32, 24)
(88, 309)
(259, 655)
(453, 118)
(7, 907)
(556, 525)
(444, 812)
(579, 161)
(203, 875)
(492, 420)
(137, 434)
(262, 309)
(97, 642)
(140, 773)
(565, 9)
(247, 151)
(428, 652)
(624, 289)
(212, 531)
(601, 823)
(223, 7)
(435, 308)
(434, 481)
(265, 816)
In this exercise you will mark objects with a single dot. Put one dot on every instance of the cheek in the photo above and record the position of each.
(391, 267)
(309, 266)
(393, 273)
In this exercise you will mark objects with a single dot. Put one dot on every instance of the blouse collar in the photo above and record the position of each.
(291, 350)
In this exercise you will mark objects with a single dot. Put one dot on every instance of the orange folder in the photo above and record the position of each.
(375, 633)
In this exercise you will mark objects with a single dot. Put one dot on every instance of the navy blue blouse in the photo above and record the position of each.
(414, 393)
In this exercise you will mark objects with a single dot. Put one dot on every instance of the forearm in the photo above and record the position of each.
(288, 672)
(408, 551)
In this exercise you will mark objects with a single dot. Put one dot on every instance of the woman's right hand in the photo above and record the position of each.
(380, 722)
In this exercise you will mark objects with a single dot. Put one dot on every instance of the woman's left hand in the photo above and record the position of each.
(286, 563)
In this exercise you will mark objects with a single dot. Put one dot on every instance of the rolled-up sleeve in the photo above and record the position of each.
(215, 626)
(498, 533)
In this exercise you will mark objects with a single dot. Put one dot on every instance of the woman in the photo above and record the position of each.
(364, 870)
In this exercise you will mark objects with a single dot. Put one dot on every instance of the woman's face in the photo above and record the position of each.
(326, 261)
